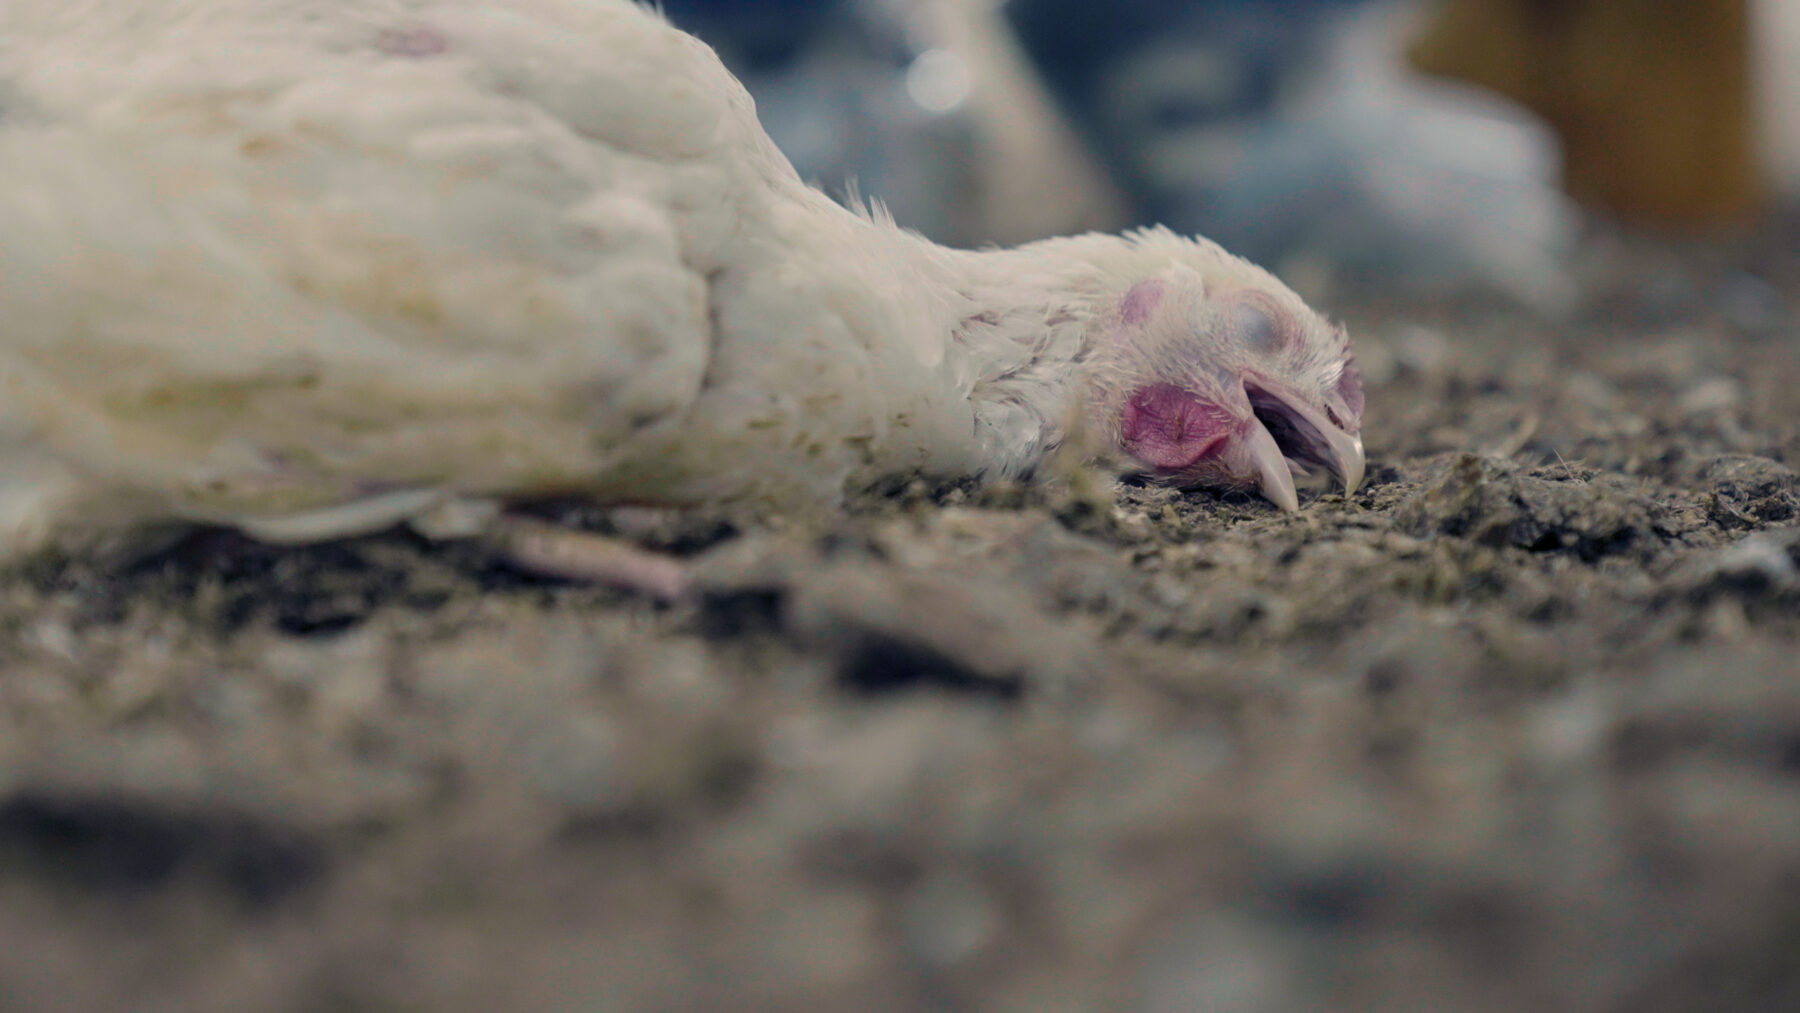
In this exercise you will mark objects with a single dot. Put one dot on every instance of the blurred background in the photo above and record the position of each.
(1430, 144)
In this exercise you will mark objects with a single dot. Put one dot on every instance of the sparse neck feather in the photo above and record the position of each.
(1024, 329)
(1003, 332)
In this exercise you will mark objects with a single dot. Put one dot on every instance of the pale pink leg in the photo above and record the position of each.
(554, 551)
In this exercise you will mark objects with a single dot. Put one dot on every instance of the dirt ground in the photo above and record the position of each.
(1515, 727)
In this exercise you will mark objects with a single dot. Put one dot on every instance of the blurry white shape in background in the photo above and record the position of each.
(958, 137)
(1468, 181)
(938, 80)
(1033, 175)
(1321, 155)
(1775, 36)
(1360, 167)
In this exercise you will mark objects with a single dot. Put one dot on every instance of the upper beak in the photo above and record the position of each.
(1287, 429)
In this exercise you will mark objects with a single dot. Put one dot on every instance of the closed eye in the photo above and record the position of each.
(1259, 323)
(1255, 328)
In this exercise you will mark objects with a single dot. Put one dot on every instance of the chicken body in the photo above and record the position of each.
(308, 267)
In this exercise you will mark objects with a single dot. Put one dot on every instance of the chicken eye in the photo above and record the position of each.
(1255, 328)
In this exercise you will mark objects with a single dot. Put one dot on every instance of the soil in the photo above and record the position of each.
(1516, 726)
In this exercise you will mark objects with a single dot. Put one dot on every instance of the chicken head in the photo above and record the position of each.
(1227, 383)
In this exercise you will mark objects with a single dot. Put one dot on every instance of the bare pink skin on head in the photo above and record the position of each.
(1162, 424)
(1170, 429)
(415, 41)
(1141, 301)
(1231, 385)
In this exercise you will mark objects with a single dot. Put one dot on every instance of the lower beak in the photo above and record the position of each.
(1287, 430)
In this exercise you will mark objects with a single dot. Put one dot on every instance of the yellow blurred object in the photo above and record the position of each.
(1652, 98)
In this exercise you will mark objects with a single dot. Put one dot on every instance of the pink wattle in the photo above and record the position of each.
(1170, 429)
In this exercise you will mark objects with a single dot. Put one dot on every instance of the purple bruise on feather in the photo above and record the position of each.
(1141, 301)
(417, 41)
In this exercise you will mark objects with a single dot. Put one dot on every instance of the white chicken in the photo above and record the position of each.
(315, 267)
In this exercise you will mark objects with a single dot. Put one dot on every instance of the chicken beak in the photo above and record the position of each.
(1311, 438)
(1346, 459)
(1274, 478)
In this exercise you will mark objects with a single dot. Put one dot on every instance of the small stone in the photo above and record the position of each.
(575, 761)
(1765, 558)
(1422, 350)
(948, 920)
(1751, 303)
(678, 676)
(823, 938)
(52, 636)
(1711, 396)
(1569, 729)
(1223, 962)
